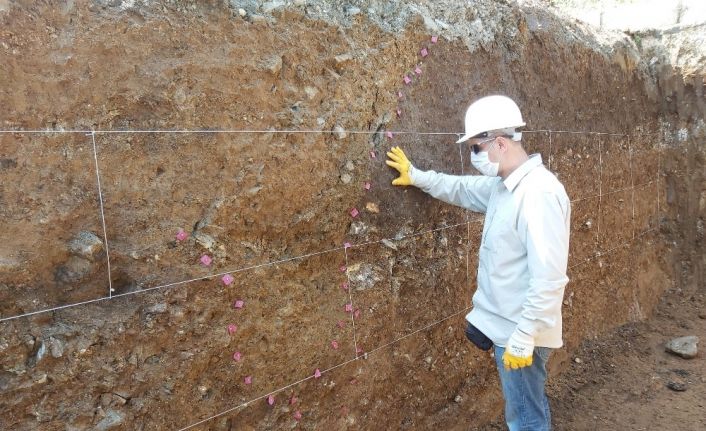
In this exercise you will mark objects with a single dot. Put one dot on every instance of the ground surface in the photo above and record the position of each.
(621, 380)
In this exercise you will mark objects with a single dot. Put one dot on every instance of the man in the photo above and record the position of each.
(523, 252)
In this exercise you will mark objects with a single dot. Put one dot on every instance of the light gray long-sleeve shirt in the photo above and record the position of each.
(523, 251)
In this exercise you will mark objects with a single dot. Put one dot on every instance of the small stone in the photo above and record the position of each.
(372, 207)
(242, 12)
(346, 178)
(311, 92)
(676, 386)
(458, 399)
(358, 228)
(353, 10)
(343, 58)
(578, 360)
(350, 165)
(86, 245)
(74, 270)
(157, 308)
(702, 315)
(273, 64)
(389, 244)
(686, 347)
(339, 132)
(56, 347)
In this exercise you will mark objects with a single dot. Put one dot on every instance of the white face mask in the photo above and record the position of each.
(481, 162)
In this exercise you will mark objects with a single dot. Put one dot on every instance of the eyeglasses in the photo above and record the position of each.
(476, 147)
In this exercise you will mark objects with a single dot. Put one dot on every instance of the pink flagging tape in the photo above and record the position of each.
(181, 235)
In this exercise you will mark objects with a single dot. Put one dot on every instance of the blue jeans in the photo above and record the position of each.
(526, 404)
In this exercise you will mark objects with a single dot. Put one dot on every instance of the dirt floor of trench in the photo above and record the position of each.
(619, 381)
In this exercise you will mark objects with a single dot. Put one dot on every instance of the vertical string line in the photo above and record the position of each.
(100, 199)
(350, 299)
(632, 184)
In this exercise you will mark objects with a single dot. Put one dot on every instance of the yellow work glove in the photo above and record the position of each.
(400, 162)
(518, 351)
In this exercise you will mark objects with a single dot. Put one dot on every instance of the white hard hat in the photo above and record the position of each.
(491, 113)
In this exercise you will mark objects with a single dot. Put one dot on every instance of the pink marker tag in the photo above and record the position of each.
(359, 350)
(399, 112)
(237, 356)
(271, 400)
(181, 235)
(418, 70)
(334, 344)
(424, 52)
(343, 268)
(317, 374)
(206, 260)
(434, 39)
(232, 328)
(367, 186)
(292, 400)
(344, 286)
(346, 245)
(297, 415)
(407, 80)
(356, 314)
(373, 155)
(227, 279)
(248, 380)
(341, 324)
(354, 212)
(238, 304)
(349, 308)
(388, 134)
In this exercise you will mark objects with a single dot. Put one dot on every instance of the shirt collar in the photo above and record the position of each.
(514, 178)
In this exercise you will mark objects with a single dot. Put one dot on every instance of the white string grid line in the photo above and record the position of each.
(105, 232)
(292, 131)
(600, 190)
(632, 184)
(350, 300)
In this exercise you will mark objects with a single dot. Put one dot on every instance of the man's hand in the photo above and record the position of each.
(399, 161)
(519, 351)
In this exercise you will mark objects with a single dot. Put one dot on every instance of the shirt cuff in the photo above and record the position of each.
(421, 179)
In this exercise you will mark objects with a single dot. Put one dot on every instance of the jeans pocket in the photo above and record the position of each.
(543, 352)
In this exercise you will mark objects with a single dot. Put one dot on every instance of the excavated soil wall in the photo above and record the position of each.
(154, 99)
